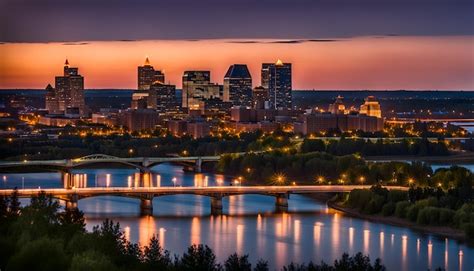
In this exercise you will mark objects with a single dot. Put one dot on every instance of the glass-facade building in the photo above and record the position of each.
(276, 78)
(238, 85)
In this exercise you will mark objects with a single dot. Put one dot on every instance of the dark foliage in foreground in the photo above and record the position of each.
(40, 237)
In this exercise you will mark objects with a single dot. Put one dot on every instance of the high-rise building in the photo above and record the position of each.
(238, 85)
(197, 88)
(276, 78)
(147, 75)
(51, 100)
(260, 98)
(371, 107)
(68, 92)
(162, 97)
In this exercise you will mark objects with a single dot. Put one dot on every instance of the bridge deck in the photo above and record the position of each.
(225, 190)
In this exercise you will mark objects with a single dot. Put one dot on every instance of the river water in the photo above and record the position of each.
(308, 231)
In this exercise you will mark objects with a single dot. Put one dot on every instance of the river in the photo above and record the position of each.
(308, 231)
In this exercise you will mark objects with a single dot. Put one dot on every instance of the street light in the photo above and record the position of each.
(320, 179)
(362, 179)
(174, 181)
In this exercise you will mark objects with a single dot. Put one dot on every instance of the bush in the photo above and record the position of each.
(375, 204)
(465, 214)
(428, 215)
(446, 216)
(358, 198)
(401, 208)
(42, 254)
(91, 260)
(388, 209)
(469, 230)
(397, 195)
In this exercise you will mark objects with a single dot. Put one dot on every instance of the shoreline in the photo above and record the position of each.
(440, 231)
(453, 158)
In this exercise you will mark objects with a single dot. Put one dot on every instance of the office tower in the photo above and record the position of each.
(147, 75)
(67, 93)
(197, 89)
(162, 97)
(51, 101)
(238, 85)
(371, 107)
(338, 106)
(260, 98)
(276, 78)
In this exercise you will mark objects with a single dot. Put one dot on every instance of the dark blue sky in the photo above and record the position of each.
(63, 20)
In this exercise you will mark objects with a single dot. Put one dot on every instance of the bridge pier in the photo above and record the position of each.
(216, 205)
(281, 202)
(71, 202)
(146, 206)
(198, 165)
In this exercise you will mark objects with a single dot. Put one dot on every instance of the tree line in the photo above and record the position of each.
(424, 206)
(282, 168)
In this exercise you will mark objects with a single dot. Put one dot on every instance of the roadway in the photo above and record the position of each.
(210, 190)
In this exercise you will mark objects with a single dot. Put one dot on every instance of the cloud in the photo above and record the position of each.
(284, 41)
(75, 43)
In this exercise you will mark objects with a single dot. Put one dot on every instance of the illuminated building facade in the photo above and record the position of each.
(371, 107)
(337, 119)
(162, 97)
(276, 78)
(197, 89)
(238, 85)
(260, 98)
(68, 92)
(147, 75)
(338, 106)
(52, 104)
(140, 119)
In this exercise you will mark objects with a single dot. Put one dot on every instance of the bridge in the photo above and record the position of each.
(216, 193)
(142, 163)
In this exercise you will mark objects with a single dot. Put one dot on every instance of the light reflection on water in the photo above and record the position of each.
(309, 231)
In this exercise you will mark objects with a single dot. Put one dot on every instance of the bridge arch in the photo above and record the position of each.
(104, 159)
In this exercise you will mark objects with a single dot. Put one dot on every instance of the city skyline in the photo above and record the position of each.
(377, 63)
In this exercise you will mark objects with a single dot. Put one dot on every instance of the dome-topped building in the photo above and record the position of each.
(371, 107)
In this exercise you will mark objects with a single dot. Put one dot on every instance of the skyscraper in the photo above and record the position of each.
(147, 75)
(197, 88)
(67, 93)
(162, 97)
(276, 78)
(238, 85)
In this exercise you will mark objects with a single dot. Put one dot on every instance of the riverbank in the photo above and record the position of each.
(454, 158)
(399, 222)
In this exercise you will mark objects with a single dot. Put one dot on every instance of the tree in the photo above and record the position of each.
(236, 263)
(261, 265)
(14, 206)
(198, 258)
(42, 254)
(91, 260)
(155, 256)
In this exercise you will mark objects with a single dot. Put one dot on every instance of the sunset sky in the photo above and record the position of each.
(338, 44)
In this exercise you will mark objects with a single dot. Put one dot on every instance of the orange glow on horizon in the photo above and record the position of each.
(357, 63)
